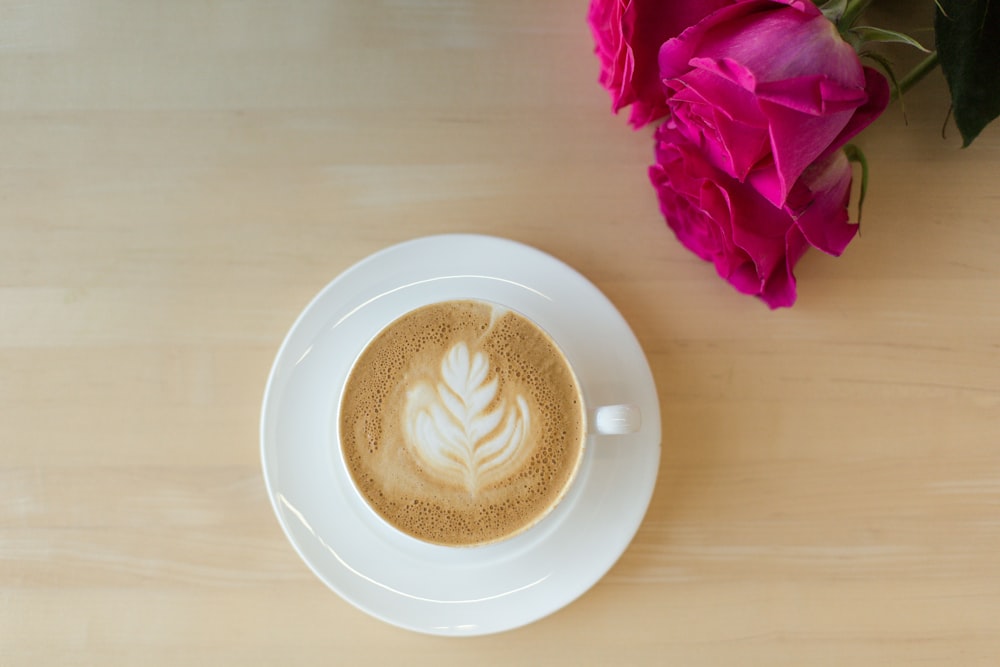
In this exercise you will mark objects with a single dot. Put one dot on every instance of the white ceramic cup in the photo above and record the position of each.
(429, 448)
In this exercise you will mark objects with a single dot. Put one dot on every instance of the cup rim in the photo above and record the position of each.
(571, 480)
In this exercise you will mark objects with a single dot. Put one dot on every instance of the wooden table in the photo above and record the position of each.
(177, 179)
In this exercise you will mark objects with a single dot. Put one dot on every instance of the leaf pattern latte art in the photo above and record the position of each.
(453, 433)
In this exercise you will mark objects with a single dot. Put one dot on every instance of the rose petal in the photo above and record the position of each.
(779, 289)
(732, 72)
(722, 118)
(752, 244)
(821, 197)
(816, 95)
(877, 91)
(797, 140)
(627, 37)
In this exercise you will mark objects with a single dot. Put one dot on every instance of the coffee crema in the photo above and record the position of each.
(461, 423)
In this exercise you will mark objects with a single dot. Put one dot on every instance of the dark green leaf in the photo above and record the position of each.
(968, 39)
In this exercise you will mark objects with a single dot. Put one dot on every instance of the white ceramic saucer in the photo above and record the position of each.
(433, 589)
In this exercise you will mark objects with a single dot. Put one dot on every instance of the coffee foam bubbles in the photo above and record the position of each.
(461, 423)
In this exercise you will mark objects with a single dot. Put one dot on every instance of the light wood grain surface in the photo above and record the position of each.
(177, 179)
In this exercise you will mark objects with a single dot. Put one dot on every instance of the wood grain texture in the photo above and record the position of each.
(178, 179)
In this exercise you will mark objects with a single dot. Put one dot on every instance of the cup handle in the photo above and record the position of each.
(616, 419)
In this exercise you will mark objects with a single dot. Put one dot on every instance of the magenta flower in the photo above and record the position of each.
(764, 88)
(752, 243)
(627, 37)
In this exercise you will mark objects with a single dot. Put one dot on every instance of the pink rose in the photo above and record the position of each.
(627, 37)
(753, 244)
(766, 87)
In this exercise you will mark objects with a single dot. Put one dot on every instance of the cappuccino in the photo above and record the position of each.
(461, 423)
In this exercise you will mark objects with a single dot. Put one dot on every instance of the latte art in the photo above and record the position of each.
(461, 423)
(454, 432)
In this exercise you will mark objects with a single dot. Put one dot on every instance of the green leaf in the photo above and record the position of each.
(854, 154)
(869, 33)
(968, 39)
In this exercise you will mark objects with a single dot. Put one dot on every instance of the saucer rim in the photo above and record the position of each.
(644, 488)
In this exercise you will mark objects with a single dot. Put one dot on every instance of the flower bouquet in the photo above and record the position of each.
(756, 102)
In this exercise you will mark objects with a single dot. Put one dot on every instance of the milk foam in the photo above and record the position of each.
(458, 429)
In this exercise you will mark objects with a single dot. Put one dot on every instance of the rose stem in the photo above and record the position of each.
(923, 68)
